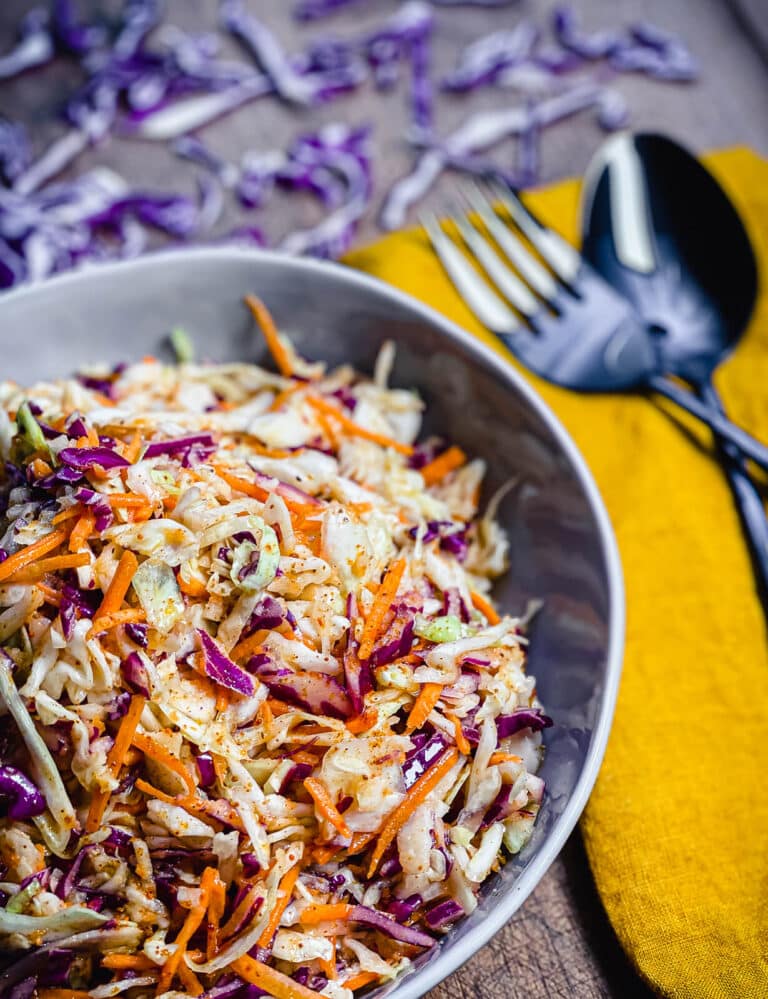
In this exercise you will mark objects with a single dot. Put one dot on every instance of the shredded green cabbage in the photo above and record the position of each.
(182, 346)
(441, 629)
(159, 595)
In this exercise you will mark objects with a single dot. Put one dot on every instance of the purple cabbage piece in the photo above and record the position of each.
(313, 10)
(135, 674)
(84, 458)
(119, 706)
(268, 614)
(206, 769)
(198, 443)
(68, 617)
(499, 808)
(251, 864)
(222, 670)
(138, 634)
(418, 761)
(532, 718)
(33, 48)
(396, 648)
(25, 800)
(567, 31)
(403, 908)
(297, 773)
(73, 34)
(99, 505)
(483, 61)
(443, 913)
(379, 921)
(317, 693)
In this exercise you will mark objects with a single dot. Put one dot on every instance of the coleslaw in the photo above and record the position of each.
(264, 732)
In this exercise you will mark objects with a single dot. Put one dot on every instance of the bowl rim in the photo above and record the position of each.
(449, 959)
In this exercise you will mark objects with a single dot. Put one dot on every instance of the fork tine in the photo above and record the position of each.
(560, 256)
(508, 283)
(537, 276)
(476, 292)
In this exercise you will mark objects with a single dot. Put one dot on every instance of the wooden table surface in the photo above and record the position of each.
(560, 943)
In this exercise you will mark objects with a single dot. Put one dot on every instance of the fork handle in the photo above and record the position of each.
(747, 499)
(749, 446)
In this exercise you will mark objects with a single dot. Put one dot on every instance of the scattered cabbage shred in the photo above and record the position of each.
(251, 680)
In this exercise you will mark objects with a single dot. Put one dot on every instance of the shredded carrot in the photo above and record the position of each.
(193, 588)
(103, 400)
(62, 994)
(274, 983)
(128, 962)
(360, 980)
(51, 596)
(381, 604)
(315, 914)
(415, 796)
(82, 531)
(189, 980)
(119, 586)
(115, 759)
(284, 895)
(462, 743)
(265, 715)
(258, 492)
(69, 514)
(107, 621)
(25, 556)
(362, 722)
(45, 565)
(278, 707)
(500, 757)
(276, 347)
(40, 468)
(222, 700)
(218, 810)
(125, 499)
(428, 697)
(156, 751)
(329, 966)
(132, 451)
(249, 646)
(484, 606)
(195, 916)
(326, 807)
(216, 907)
(281, 397)
(349, 425)
(444, 463)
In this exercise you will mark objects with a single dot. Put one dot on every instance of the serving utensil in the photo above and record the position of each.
(566, 323)
(658, 226)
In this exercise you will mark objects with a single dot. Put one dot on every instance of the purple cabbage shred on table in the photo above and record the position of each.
(146, 78)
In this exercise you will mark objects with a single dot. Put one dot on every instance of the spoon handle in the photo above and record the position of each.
(747, 498)
(749, 446)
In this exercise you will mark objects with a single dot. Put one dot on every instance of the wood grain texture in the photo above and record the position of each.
(560, 943)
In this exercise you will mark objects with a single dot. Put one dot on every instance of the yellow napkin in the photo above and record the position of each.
(677, 827)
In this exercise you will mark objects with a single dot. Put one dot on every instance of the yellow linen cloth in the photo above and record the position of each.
(677, 827)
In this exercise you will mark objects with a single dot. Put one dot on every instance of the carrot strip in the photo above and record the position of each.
(267, 324)
(462, 743)
(26, 556)
(315, 914)
(216, 907)
(428, 697)
(156, 751)
(62, 994)
(40, 468)
(278, 707)
(128, 962)
(250, 645)
(362, 722)
(195, 916)
(485, 607)
(329, 966)
(284, 895)
(192, 588)
(500, 757)
(218, 810)
(129, 616)
(133, 450)
(415, 796)
(442, 465)
(360, 980)
(69, 514)
(349, 425)
(115, 759)
(274, 983)
(82, 531)
(381, 604)
(117, 589)
(281, 397)
(222, 700)
(125, 499)
(326, 807)
(45, 565)
(51, 596)
(259, 492)
(189, 980)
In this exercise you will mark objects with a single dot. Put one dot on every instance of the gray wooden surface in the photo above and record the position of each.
(560, 943)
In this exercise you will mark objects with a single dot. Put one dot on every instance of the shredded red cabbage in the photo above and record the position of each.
(84, 458)
(379, 921)
(420, 759)
(135, 674)
(532, 718)
(318, 693)
(33, 48)
(222, 670)
(24, 799)
(440, 915)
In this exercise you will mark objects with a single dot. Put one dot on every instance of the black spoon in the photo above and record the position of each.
(662, 231)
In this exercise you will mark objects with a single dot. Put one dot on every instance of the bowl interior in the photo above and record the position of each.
(562, 550)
